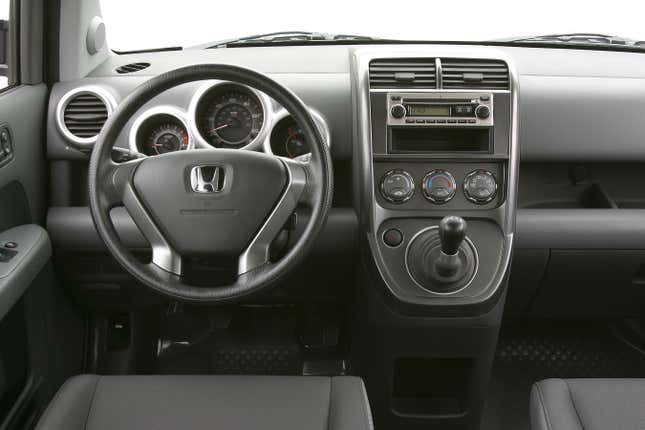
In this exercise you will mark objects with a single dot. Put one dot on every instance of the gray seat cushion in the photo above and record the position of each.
(92, 402)
(588, 404)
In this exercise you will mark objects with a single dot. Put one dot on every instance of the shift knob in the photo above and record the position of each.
(452, 231)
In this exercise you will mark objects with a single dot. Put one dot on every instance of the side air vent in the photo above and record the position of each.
(403, 73)
(132, 67)
(479, 74)
(82, 113)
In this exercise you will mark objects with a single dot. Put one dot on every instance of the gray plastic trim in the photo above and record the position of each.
(580, 229)
(72, 229)
(17, 274)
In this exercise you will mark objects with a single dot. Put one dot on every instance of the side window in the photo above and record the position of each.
(6, 77)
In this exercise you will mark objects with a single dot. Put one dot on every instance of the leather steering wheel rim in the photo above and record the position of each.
(107, 179)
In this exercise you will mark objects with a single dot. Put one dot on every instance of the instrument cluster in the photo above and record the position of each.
(222, 115)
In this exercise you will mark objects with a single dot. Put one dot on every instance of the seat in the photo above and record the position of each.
(588, 404)
(91, 402)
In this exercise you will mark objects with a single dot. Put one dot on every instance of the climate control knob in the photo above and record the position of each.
(439, 186)
(480, 186)
(398, 111)
(397, 186)
(482, 111)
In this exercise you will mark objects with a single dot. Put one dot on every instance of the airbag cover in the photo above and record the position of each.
(220, 222)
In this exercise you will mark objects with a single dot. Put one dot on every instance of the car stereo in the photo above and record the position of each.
(440, 109)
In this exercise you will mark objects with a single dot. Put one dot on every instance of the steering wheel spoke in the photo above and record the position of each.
(164, 255)
(115, 177)
(257, 253)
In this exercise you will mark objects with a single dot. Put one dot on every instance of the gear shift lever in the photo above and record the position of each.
(452, 231)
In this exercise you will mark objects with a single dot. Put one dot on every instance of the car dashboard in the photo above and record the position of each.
(539, 149)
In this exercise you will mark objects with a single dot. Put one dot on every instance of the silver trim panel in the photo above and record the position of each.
(103, 94)
(163, 254)
(373, 214)
(257, 253)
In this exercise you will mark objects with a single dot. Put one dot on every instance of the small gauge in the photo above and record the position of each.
(166, 137)
(439, 186)
(480, 186)
(295, 144)
(288, 140)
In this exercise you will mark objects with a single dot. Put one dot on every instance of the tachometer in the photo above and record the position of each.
(230, 116)
(160, 133)
(166, 138)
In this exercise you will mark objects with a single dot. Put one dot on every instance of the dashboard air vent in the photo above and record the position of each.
(403, 73)
(132, 67)
(470, 73)
(84, 115)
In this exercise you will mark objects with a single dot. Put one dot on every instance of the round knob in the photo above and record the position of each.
(482, 111)
(480, 186)
(439, 186)
(398, 111)
(397, 186)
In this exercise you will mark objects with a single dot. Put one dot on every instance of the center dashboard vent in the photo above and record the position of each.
(131, 68)
(403, 73)
(465, 73)
(84, 115)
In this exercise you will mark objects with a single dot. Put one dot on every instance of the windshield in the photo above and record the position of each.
(150, 24)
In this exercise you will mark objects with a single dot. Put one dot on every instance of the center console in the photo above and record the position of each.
(437, 180)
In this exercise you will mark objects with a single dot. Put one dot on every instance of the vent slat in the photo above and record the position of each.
(85, 115)
(413, 73)
(132, 67)
(464, 73)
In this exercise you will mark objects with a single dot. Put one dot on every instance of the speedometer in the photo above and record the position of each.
(230, 116)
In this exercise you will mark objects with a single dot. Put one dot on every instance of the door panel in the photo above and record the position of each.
(22, 179)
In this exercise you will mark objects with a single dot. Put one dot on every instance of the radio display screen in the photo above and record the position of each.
(429, 110)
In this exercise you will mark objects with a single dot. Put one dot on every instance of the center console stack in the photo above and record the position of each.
(438, 179)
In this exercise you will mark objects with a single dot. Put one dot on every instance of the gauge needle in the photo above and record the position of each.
(219, 128)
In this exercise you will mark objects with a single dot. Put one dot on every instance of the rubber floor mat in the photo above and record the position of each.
(253, 342)
(529, 352)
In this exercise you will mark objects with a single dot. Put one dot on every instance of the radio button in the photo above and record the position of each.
(398, 111)
(452, 121)
(409, 121)
(482, 111)
(397, 186)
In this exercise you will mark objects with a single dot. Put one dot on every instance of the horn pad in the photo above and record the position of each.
(215, 209)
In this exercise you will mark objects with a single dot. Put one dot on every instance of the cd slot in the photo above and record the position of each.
(438, 100)
(422, 140)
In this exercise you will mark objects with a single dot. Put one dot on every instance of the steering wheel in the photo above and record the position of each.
(225, 202)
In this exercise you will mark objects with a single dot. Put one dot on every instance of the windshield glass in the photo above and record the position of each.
(149, 24)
